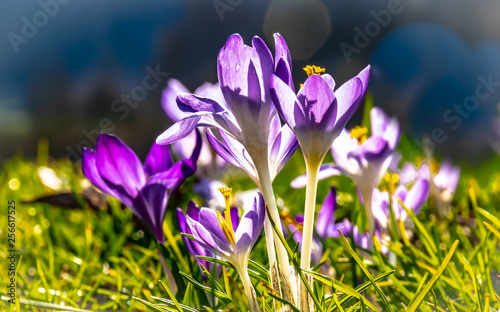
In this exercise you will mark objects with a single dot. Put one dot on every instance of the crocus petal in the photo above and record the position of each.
(243, 76)
(178, 130)
(158, 159)
(316, 106)
(191, 103)
(447, 177)
(326, 215)
(208, 232)
(418, 195)
(193, 247)
(118, 164)
(380, 207)
(329, 80)
(235, 220)
(233, 152)
(379, 121)
(325, 171)
(251, 225)
(349, 96)
(211, 91)
(282, 148)
(150, 205)
(175, 175)
(90, 171)
(168, 101)
(284, 99)
(283, 61)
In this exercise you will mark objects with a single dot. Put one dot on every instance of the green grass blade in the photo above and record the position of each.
(419, 288)
(416, 303)
(368, 274)
(172, 297)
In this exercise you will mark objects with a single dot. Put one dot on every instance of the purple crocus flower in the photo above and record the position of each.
(117, 171)
(317, 114)
(215, 234)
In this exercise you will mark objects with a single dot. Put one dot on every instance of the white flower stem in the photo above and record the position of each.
(371, 220)
(306, 303)
(249, 290)
(310, 208)
(287, 278)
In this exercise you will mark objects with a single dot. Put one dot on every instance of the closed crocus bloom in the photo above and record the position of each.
(220, 236)
(117, 171)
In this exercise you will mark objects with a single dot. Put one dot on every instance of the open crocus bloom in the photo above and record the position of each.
(366, 160)
(317, 114)
(117, 171)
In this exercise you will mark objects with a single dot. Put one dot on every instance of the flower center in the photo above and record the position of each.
(359, 133)
(313, 70)
(226, 224)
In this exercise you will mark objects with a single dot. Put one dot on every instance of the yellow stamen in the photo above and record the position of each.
(434, 166)
(392, 179)
(313, 70)
(226, 192)
(226, 229)
(359, 133)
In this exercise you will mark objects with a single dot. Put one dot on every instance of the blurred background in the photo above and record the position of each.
(69, 69)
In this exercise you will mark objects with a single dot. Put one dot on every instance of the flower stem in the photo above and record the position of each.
(371, 220)
(310, 208)
(249, 290)
(170, 277)
(287, 278)
(306, 303)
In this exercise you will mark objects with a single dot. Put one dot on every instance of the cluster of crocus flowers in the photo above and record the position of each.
(245, 127)
(229, 238)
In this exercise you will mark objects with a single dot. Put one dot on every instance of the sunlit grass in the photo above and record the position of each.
(102, 260)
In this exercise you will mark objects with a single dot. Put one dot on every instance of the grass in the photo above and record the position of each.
(101, 259)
